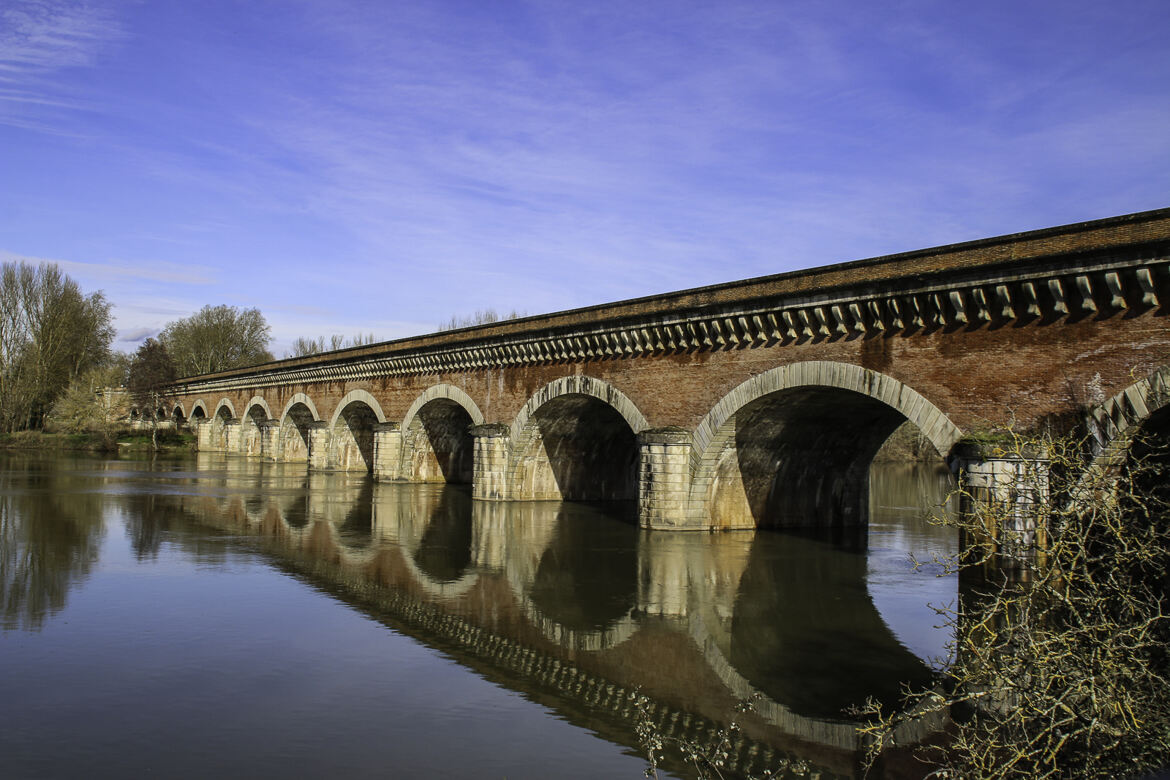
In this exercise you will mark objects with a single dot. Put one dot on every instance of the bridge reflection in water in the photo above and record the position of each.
(574, 602)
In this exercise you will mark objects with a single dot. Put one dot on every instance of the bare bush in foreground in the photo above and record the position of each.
(1060, 657)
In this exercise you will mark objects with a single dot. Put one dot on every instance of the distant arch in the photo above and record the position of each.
(225, 403)
(361, 396)
(446, 391)
(304, 400)
(292, 443)
(258, 401)
(436, 436)
(197, 407)
(351, 432)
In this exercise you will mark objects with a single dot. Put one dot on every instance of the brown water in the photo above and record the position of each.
(223, 616)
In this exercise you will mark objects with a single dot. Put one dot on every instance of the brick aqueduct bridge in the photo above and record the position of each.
(741, 405)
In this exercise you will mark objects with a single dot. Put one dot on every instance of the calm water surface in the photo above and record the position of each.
(221, 616)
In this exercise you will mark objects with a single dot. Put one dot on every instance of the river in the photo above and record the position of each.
(215, 615)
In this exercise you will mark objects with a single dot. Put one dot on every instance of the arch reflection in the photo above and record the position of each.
(697, 621)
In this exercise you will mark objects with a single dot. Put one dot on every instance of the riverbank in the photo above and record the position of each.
(122, 441)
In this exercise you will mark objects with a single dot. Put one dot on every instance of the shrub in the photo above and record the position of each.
(1059, 662)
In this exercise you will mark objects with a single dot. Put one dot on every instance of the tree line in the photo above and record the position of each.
(56, 355)
(51, 335)
(303, 347)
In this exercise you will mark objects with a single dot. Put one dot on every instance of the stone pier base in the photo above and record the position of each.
(664, 478)
(1007, 491)
(388, 452)
(491, 449)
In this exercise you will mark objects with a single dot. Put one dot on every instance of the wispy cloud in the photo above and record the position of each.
(137, 334)
(44, 35)
(157, 271)
(350, 166)
(38, 40)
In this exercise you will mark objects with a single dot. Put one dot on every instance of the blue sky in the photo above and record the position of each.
(381, 166)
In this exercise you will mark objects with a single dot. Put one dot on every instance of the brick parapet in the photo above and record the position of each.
(1087, 269)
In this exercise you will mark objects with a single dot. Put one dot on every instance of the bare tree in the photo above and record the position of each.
(217, 338)
(50, 333)
(481, 317)
(303, 347)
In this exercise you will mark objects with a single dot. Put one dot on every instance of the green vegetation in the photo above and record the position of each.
(91, 441)
(1061, 656)
(150, 376)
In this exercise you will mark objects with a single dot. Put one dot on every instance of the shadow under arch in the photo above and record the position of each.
(292, 444)
(436, 433)
(256, 413)
(1130, 435)
(224, 414)
(351, 431)
(575, 440)
(258, 408)
(792, 447)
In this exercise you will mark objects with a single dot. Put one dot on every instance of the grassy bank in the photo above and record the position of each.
(122, 441)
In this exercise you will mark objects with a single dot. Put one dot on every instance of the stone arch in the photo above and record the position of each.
(351, 431)
(575, 440)
(449, 392)
(581, 385)
(292, 443)
(178, 407)
(223, 437)
(1129, 436)
(225, 404)
(437, 443)
(199, 410)
(257, 401)
(361, 396)
(300, 398)
(256, 412)
(1113, 422)
(793, 445)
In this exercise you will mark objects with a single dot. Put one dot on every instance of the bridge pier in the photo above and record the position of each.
(270, 439)
(231, 435)
(318, 445)
(203, 435)
(664, 478)
(1006, 490)
(388, 452)
(491, 445)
